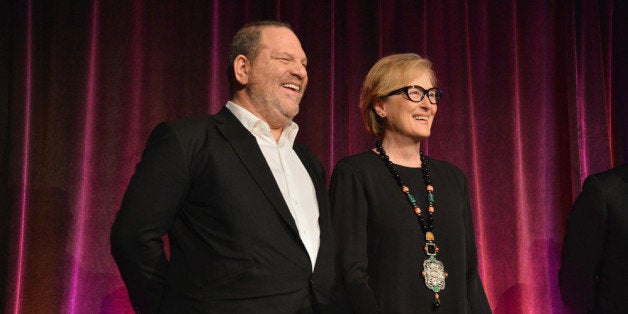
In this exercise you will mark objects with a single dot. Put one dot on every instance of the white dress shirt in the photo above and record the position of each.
(291, 176)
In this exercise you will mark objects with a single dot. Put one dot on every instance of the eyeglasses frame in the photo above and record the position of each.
(439, 93)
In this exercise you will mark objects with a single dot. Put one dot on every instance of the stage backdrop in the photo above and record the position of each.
(535, 99)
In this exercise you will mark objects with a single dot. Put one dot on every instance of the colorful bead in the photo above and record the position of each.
(430, 197)
(429, 236)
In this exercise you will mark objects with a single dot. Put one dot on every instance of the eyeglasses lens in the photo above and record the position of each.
(433, 95)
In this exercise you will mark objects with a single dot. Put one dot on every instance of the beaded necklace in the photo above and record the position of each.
(433, 269)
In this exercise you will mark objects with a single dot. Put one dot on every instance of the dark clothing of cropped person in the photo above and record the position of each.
(244, 206)
(593, 275)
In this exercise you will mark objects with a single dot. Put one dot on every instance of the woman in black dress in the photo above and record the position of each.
(402, 220)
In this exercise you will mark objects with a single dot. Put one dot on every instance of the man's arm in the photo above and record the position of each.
(155, 193)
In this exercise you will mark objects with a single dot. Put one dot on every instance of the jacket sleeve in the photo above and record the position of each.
(155, 193)
(349, 216)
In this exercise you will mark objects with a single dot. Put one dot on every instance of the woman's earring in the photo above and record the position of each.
(382, 114)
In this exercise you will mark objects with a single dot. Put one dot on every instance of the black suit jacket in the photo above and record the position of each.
(234, 245)
(594, 270)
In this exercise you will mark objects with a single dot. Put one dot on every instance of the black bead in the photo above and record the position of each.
(435, 305)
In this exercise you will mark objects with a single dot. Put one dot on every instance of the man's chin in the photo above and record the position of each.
(279, 120)
(291, 113)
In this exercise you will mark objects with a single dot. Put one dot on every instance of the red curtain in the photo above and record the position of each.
(535, 100)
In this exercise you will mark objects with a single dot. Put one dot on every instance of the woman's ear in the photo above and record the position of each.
(241, 69)
(378, 107)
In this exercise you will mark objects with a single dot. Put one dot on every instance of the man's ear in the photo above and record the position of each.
(241, 67)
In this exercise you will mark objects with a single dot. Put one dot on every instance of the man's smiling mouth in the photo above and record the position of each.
(292, 86)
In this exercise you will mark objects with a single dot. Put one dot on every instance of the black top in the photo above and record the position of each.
(380, 243)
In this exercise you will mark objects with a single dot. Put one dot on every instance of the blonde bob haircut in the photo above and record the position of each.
(386, 75)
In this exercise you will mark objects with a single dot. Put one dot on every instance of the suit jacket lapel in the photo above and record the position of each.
(245, 146)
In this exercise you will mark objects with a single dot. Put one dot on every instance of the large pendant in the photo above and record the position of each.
(433, 270)
(434, 274)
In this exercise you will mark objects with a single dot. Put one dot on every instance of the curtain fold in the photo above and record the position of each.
(535, 100)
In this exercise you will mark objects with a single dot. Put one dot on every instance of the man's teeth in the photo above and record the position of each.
(424, 118)
(292, 86)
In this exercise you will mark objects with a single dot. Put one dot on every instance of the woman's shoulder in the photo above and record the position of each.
(363, 165)
(446, 168)
(360, 160)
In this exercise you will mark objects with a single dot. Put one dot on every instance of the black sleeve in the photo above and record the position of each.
(152, 198)
(350, 213)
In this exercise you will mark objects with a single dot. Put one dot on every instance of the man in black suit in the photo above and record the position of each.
(594, 271)
(244, 206)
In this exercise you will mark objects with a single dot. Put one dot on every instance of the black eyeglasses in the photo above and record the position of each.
(416, 93)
